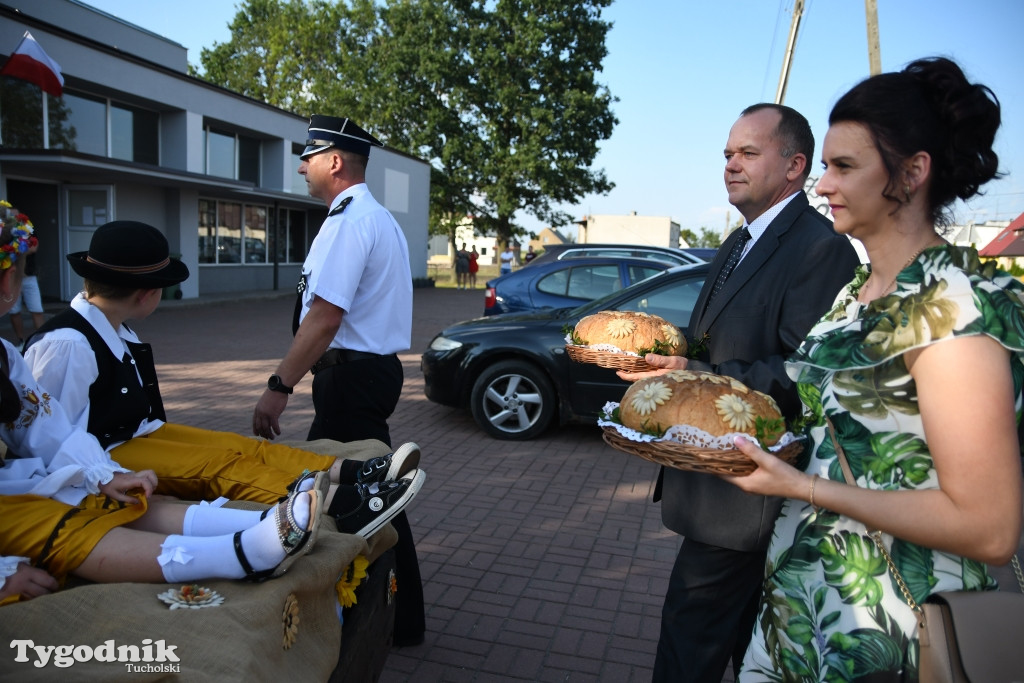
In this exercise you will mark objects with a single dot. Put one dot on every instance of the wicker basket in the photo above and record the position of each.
(607, 359)
(695, 459)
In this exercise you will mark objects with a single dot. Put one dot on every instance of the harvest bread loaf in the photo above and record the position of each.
(717, 404)
(631, 331)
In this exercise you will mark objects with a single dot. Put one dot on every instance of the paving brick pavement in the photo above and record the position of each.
(542, 560)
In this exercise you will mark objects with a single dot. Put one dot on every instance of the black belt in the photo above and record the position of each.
(338, 356)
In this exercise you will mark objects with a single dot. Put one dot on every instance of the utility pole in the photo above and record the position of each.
(874, 51)
(794, 27)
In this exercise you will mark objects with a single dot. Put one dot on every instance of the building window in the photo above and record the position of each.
(232, 156)
(298, 243)
(85, 128)
(290, 242)
(21, 114)
(255, 234)
(249, 160)
(229, 232)
(207, 231)
(77, 122)
(232, 232)
(298, 183)
(134, 134)
(220, 154)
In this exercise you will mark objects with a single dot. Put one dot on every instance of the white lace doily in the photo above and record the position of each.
(611, 348)
(684, 434)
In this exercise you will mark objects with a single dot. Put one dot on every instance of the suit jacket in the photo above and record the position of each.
(785, 283)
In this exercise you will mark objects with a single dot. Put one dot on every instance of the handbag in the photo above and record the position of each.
(963, 635)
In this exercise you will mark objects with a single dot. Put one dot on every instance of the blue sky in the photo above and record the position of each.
(683, 70)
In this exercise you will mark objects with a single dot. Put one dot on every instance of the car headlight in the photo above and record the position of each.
(444, 344)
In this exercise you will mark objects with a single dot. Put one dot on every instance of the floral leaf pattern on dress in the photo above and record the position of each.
(831, 610)
(902, 461)
(875, 391)
(853, 565)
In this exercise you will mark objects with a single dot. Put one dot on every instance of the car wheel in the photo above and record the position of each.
(513, 400)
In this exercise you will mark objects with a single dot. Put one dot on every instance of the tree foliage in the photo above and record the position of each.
(501, 96)
(706, 238)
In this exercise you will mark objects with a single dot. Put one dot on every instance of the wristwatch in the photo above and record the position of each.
(275, 384)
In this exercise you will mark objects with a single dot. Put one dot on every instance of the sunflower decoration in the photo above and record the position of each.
(620, 328)
(735, 412)
(290, 620)
(23, 239)
(649, 397)
(349, 581)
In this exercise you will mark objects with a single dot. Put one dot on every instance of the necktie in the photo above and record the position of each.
(730, 262)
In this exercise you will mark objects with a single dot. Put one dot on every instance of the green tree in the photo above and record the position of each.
(536, 107)
(501, 97)
(707, 238)
(419, 49)
(265, 58)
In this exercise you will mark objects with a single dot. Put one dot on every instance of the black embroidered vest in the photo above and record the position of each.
(117, 402)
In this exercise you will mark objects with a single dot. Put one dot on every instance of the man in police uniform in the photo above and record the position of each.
(353, 316)
(355, 312)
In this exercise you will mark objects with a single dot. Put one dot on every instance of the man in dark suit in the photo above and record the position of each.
(769, 283)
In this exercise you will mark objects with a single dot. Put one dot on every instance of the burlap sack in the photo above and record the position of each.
(242, 639)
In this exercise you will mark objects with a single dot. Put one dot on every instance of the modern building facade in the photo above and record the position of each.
(134, 137)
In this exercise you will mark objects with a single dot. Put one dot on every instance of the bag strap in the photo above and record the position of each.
(876, 535)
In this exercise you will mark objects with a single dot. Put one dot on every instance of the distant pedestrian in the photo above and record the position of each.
(474, 267)
(530, 255)
(462, 267)
(508, 257)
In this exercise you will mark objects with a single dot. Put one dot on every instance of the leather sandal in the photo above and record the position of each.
(295, 540)
(290, 489)
(321, 483)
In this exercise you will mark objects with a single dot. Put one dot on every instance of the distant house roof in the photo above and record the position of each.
(1009, 242)
(551, 236)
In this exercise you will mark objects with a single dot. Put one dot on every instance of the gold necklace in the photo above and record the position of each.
(892, 284)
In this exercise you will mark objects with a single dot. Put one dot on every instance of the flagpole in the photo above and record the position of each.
(46, 120)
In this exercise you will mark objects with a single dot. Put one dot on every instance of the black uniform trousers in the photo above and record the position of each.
(353, 401)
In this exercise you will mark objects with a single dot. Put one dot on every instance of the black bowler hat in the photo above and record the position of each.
(330, 131)
(129, 254)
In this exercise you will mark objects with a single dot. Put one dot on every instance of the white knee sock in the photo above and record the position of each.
(209, 520)
(190, 558)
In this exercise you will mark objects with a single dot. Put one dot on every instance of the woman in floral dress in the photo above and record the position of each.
(920, 367)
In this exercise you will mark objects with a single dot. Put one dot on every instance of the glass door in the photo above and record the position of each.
(88, 206)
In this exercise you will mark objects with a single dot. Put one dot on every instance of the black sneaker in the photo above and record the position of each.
(390, 467)
(362, 509)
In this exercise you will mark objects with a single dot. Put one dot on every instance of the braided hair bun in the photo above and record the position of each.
(932, 107)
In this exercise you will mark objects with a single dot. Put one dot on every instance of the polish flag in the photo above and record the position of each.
(30, 63)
